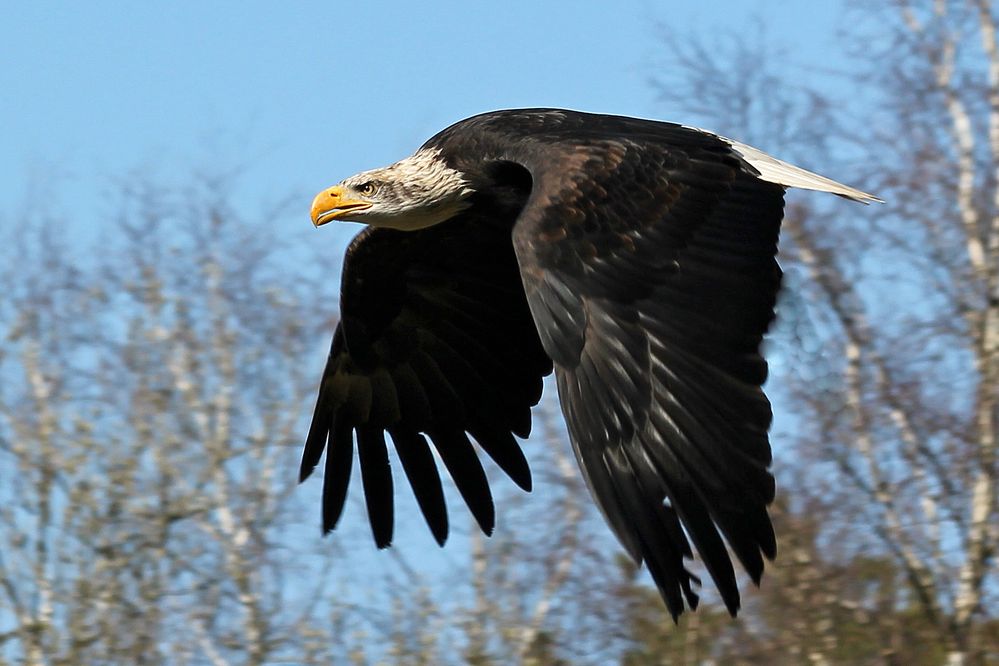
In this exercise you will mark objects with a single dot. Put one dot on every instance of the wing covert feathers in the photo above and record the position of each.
(660, 374)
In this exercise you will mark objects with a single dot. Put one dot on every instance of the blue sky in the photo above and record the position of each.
(300, 95)
(303, 94)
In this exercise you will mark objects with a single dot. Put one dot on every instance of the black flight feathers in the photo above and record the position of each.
(435, 343)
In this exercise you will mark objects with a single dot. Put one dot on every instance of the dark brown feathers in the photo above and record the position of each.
(639, 258)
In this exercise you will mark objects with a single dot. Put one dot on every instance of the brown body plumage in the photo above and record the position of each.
(635, 257)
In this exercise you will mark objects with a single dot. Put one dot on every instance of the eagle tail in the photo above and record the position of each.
(774, 170)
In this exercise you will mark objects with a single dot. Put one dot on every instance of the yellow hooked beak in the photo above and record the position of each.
(331, 205)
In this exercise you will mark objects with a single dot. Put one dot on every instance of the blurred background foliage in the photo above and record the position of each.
(155, 388)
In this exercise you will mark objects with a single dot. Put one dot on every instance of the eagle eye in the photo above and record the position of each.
(367, 189)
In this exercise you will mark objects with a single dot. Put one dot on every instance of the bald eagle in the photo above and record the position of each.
(635, 258)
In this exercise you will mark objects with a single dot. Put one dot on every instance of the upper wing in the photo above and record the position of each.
(650, 270)
(435, 338)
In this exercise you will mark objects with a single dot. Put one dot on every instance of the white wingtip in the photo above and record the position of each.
(774, 170)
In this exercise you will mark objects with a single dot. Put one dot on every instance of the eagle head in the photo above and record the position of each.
(416, 192)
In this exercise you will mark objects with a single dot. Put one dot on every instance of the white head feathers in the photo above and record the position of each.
(416, 192)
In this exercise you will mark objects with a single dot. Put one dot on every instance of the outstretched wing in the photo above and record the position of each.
(649, 265)
(435, 342)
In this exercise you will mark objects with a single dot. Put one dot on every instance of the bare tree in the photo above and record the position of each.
(150, 414)
(893, 372)
(153, 395)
